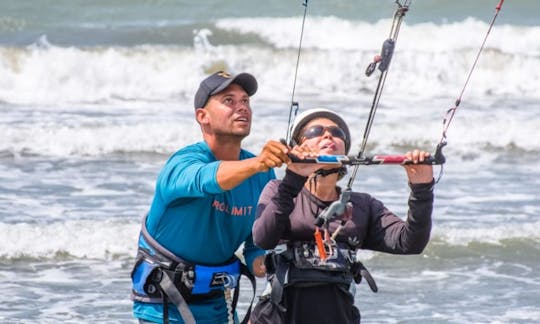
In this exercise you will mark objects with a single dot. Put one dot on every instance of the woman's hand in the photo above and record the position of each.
(305, 151)
(418, 173)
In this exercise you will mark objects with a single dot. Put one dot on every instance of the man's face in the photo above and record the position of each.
(228, 112)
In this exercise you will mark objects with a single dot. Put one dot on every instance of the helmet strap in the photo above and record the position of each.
(341, 171)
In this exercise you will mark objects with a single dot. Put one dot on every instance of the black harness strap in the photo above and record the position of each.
(169, 291)
(245, 271)
(277, 267)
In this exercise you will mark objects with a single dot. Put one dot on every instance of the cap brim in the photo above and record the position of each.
(245, 80)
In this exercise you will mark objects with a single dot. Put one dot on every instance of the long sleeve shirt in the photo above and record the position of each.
(195, 219)
(287, 212)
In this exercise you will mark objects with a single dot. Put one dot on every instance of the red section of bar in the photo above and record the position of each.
(389, 159)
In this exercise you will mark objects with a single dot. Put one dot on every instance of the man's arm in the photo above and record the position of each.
(231, 173)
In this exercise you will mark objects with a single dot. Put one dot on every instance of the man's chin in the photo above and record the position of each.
(240, 135)
(243, 132)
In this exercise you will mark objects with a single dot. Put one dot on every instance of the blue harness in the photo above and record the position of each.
(159, 276)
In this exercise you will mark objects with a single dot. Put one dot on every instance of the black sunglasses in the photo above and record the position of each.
(319, 130)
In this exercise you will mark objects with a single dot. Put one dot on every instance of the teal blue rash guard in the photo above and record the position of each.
(198, 221)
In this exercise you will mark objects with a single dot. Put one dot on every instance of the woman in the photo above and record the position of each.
(312, 267)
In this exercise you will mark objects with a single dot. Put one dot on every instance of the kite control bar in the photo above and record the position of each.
(436, 159)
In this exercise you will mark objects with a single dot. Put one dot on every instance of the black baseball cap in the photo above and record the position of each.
(221, 80)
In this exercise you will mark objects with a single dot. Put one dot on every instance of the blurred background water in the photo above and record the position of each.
(94, 96)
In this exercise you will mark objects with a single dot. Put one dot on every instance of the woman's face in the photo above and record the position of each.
(324, 136)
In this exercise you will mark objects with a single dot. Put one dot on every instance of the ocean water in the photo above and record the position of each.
(95, 95)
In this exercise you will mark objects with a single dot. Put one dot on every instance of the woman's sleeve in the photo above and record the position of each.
(275, 205)
(389, 233)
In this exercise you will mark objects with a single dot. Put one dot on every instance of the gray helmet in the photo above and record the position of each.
(305, 117)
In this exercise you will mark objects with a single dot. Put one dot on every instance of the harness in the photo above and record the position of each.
(159, 276)
(299, 264)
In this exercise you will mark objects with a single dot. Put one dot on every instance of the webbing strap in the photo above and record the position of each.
(171, 292)
(245, 271)
(278, 280)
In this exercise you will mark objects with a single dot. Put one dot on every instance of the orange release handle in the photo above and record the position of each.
(320, 245)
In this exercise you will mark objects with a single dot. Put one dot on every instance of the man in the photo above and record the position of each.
(203, 211)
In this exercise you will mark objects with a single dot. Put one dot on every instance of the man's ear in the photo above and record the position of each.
(201, 115)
